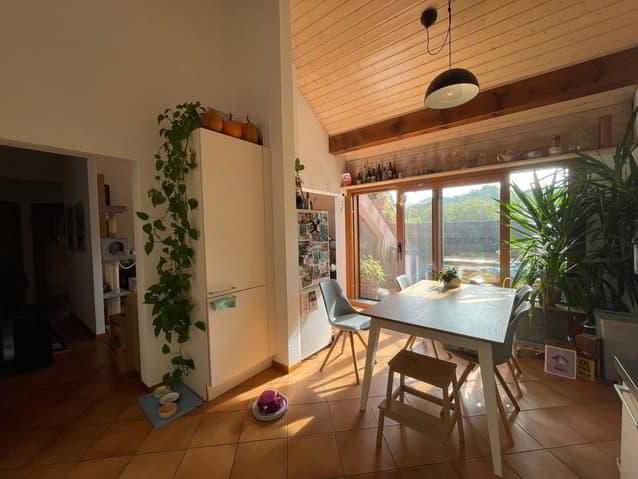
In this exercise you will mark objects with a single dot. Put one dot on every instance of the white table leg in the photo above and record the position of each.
(486, 361)
(373, 340)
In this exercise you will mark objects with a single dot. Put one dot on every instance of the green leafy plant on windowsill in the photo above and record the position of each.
(171, 234)
(372, 270)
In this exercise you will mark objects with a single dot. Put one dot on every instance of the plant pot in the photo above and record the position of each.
(531, 331)
(551, 296)
(452, 284)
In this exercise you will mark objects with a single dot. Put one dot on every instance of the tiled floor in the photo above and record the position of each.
(80, 419)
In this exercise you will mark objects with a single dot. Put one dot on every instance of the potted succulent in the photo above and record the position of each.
(449, 277)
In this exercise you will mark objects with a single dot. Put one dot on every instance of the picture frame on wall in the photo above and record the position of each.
(561, 361)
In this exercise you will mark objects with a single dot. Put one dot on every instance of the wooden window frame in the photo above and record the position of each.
(436, 184)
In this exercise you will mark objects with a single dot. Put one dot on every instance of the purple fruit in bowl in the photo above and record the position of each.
(270, 401)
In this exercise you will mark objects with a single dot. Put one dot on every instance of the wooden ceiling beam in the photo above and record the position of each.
(602, 74)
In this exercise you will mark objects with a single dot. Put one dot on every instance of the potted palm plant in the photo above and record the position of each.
(548, 229)
(608, 280)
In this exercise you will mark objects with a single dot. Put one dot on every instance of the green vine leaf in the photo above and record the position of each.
(169, 296)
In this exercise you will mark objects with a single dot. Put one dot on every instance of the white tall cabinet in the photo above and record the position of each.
(229, 278)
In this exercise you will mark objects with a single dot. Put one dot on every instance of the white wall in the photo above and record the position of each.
(322, 170)
(89, 78)
(84, 266)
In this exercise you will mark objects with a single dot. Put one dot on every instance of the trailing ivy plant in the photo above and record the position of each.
(172, 233)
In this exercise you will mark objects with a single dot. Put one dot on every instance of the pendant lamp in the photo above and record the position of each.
(455, 86)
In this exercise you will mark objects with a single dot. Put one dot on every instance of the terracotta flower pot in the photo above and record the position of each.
(213, 120)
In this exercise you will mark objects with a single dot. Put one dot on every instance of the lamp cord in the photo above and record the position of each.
(446, 40)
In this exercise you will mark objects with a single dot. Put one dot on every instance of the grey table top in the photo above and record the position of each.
(471, 311)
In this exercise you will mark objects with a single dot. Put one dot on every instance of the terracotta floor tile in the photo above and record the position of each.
(347, 415)
(595, 421)
(481, 469)
(237, 399)
(345, 387)
(359, 454)
(304, 419)
(110, 468)
(443, 470)
(51, 471)
(549, 427)
(106, 410)
(159, 465)
(218, 428)
(537, 394)
(373, 407)
(70, 445)
(303, 392)
(581, 391)
(377, 475)
(19, 448)
(587, 461)
(120, 439)
(209, 462)
(313, 457)
(253, 430)
(522, 440)
(268, 378)
(611, 448)
(538, 465)
(260, 460)
(174, 436)
(473, 401)
(412, 448)
(132, 412)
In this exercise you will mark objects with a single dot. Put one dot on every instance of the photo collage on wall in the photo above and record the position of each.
(314, 251)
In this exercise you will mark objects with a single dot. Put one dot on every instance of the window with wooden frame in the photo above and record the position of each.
(422, 226)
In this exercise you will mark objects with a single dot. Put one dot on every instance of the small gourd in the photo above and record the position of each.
(250, 132)
(232, 127)
(213, 120)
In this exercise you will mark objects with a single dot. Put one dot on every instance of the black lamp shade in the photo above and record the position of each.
(451, 88)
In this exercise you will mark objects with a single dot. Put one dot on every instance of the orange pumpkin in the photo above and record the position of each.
(232, 127)
(213, 120)
(250, 132)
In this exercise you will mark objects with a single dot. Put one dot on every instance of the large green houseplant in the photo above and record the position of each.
(548, 228)
(610, 190)
(171, 233)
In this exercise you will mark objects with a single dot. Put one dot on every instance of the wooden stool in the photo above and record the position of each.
(431, 371)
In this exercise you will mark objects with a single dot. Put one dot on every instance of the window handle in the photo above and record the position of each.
(400, 249)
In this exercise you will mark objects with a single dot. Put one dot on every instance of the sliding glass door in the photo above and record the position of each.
(471, 231)
(379, 247)
(417, 218)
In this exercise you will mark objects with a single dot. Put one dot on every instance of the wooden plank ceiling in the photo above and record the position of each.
(362, 61)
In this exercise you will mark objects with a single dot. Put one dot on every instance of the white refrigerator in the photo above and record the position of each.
(229, 282)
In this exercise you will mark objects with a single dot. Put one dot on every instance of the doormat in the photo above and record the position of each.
(188, 401)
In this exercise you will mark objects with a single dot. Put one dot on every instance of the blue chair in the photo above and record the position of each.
(344, 318)
(404, 282)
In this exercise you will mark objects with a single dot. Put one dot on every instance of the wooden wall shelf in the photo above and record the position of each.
(384, 185)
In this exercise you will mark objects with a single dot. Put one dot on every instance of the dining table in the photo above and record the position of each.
(469, 316)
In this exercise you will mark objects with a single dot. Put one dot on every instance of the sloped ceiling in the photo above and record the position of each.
(362, 61)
